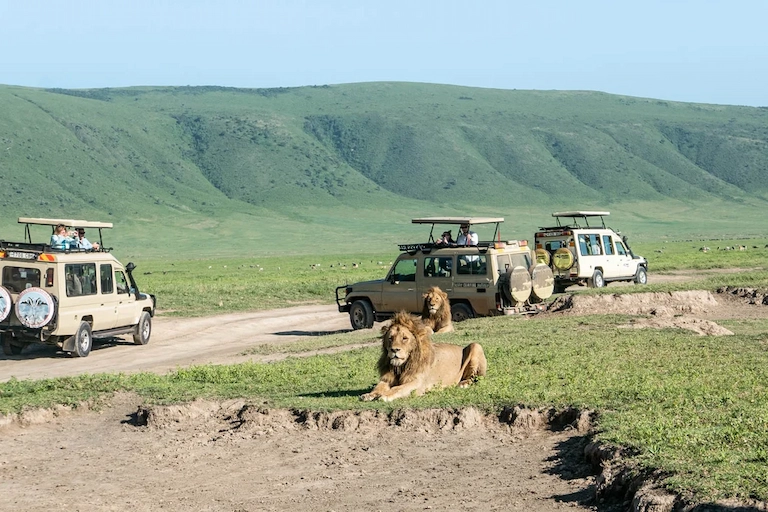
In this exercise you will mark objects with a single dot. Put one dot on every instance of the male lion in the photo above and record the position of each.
(437, 310)
(410, 362)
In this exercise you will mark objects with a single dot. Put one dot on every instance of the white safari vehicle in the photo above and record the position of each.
(67, 297)
(587, 254)
(493, 277)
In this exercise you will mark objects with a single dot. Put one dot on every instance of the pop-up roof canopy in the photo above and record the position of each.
(580, 213)
(74, 223)
(458, 220)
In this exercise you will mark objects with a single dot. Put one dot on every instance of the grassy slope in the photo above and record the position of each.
(249, 170)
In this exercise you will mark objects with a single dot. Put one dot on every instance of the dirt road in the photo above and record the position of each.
(178, 342)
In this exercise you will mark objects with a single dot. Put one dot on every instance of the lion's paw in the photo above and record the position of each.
(368, 397)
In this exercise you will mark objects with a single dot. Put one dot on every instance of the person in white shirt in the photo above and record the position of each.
(83, 243)
(466, 237)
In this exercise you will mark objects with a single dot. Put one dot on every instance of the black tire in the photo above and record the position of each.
(597, 280)
(83, 340)
(143, 329)
(9, 347)
(641, 277)
(361, 315)
(461, 312)
(559, 288)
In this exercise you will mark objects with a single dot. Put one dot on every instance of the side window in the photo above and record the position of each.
(472, 264)
(583, 250)
(17, 279)
(107, 285)
(438, 267)
(80, 279)
(405, 270)
(590, 244)
(620, 248)
(607, 245)
(120, 281)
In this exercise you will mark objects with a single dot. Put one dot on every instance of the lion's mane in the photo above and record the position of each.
(422, 354)
(411, 363)
(440, 320)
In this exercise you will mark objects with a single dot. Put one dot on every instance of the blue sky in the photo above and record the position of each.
(684, 50)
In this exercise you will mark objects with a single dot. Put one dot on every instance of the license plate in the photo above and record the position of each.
(22, 255)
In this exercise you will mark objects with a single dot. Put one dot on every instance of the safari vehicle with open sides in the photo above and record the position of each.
(68, 297)
(584, 254)
(493, 277)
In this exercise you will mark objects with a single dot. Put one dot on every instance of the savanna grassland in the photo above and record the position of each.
(342, 168)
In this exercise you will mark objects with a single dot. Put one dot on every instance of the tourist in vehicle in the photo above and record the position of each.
(466, 237)
(62, 238)
(83, 243)
(445, 239)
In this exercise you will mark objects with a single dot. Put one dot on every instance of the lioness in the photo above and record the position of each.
(437, 310)
(410, 362)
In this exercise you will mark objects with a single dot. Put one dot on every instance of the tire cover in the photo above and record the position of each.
(5, 303)
(543, 281)
(563, 259)
(520, 284)
(542, 256)
(34, 307)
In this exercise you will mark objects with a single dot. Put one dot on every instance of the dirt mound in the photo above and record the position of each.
(242, 417)
(698, 325)
(658, 303)
(749, 295)
(663, 310)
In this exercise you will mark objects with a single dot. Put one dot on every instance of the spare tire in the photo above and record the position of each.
(542, 256)
(34, 307)
(519, 284)
(563, 259)
(543, 281)
(5, 303)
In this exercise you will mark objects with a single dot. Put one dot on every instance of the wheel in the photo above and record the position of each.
(9, 347)
(34, 307)
(543, 283)
(559, 288)
(83, 340)
(461, 312)
(143, 329)
(361, 315)
(519, 284)
(563, 259)
(597, 280)
(641, 277)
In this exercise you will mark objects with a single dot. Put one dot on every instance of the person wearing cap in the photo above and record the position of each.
(83, 243)
(466, 237)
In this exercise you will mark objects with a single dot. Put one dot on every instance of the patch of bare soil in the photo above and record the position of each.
(236, 456)
(684, 309)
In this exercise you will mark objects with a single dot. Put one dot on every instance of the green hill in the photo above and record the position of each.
(332, 169)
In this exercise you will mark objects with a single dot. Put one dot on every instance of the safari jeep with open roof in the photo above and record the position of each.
(584, 254)
(67, 297)
(493, 277)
